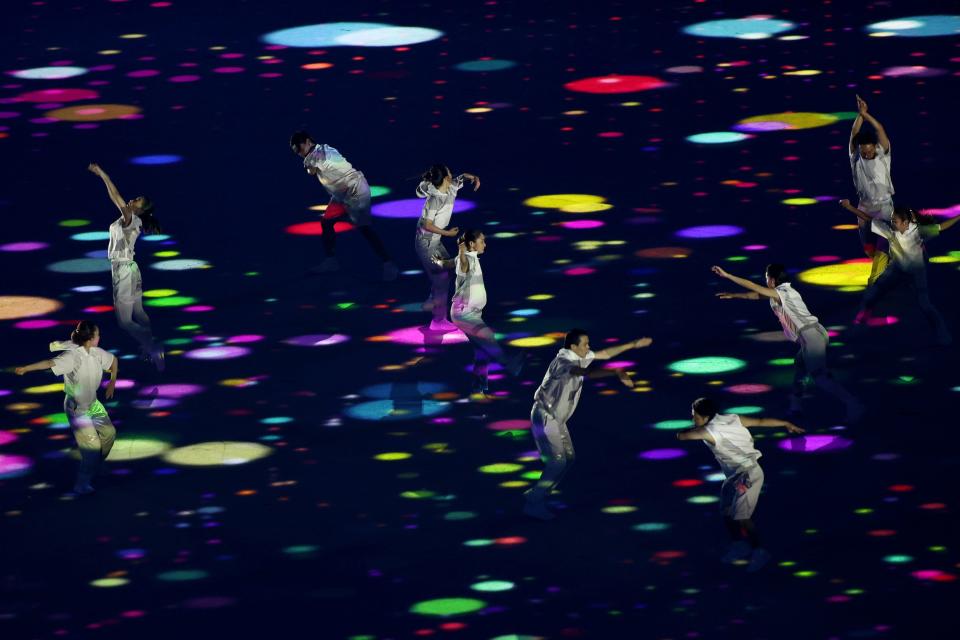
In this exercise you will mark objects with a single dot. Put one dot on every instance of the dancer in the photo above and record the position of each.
(905, 233)
(82, 363)
(554, 403)
(135, 216)
(800, 326)
(440, 188)
(466, 310)
(870, 165)
(349, 193)
(727, 437)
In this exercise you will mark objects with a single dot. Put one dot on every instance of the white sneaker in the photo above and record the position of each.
(329, 265)
(390, 271)
(442, 325)
(83, 489)
(538, 510)
(736, 551)
(758, 560)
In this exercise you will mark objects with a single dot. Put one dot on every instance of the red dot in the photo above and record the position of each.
(615, 84)
(901, 488)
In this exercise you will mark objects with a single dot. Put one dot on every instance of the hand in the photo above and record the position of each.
(461, 247)
(861, 106)
(452, 232)
(845, 203)
(312, 171)
(792, 428)
(110, 388)
(20, 371)
(437, 260)
(723, 295)
(625, 378)
(476, 182)
(94, 168)
(642, 342)
(719, 271)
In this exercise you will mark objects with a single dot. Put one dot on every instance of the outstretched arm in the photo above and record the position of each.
(863, 215)
(474, 179)
(36, 366)
(696, 433)
(946, 224)
(881, 132)
(115, 196)
(766, 292)
(599, 372)
(770, 422)
(724, 295)
(613, 352)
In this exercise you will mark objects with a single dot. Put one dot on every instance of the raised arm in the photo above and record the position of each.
(881, 132)
(462, 256)
(863, 215)
(724, 295)
(613, 352)
(599, 372)
(769, 422)
(115, 196)
(857, 124)
(43, 365)
(766, 292)
(474, 179)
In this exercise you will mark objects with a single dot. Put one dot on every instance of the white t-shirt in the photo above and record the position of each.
(906, 249)
(470, 292)
(734, 444)
(122, 239)
(336, 175)
(439, 206)
(791, 311)
(872, 177)
(559, 392)
(82, 371)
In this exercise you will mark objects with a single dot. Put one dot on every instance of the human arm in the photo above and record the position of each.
(766, 292)
(857, 124)
(474, 179)
(598, 372)
(462, 256)
(43, 365)
(113, 378)
(770, 422)
(432, 228)
(946, 224)
(863, 215)
(112, 191)
(724, 295)
(881, 132)
(696, 433)
(613, 352)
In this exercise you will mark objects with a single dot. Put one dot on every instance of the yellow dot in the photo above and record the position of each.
(166, 254)
(55, 387)
(109, 52)
(391, 456)
(804, 72)
(133, 36)
(159, 293)
(560, 200)
(844, 274)
(532, 341)
(479, 109)
(540, 296)
(799, 201)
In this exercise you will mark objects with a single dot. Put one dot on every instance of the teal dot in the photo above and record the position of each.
(649, 527)
(707, 365)
(898, 559)
(672, 425)
(492, 585)
(745, 410)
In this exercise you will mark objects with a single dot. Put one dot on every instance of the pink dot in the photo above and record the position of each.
(824, 258)
(579, 271)
(228, 70)
(610, 134)
(241, 339)
(755, 247)
(198, 308)
(135, 613)
(186, 78)
(36, 324)
(143, 73)
(582, 224)
(746, 389)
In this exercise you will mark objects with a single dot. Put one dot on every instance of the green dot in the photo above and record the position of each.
(182, 576)
(897, 559)
(781, 362)
(938, 548)
(74, 223)
(501, 467)
(479, 542)
(707, 365)
(531, 475)
(492, 585)
(109, 582)
(178, 342)
(671, 425)
(703, 499)
(417, 495)
(619, 509)
(447, 606)
(863, 511)
(344, 305)
(745, 410)
(737, 259)
(853, 592)
(459, 515)
(377, 191)
(805, 574)
(172, 301)
(188, 327)
(300, 549)
(252, 273)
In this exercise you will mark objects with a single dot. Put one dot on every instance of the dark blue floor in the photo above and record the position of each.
(298, 471)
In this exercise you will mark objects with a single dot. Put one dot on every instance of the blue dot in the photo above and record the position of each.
(743, 28)
(919, 26)
(87, 236)
(156, 159)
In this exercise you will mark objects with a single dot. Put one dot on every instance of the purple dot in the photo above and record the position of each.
(710, 231)
(412, 208)
(662, 454)
(184, 78)
(814, 444)
(229, 70)
(24, 246)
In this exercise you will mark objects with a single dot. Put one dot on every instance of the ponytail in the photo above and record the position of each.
(85, 331)
(435, 174)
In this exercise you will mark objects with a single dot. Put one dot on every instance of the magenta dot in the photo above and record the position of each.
(509, 425)
(143, 73)
(6, 437)
(755, 247)
(229, 70)
(747, 389)
(184, 78)
(241, 339)
(579, 271)
(198, 308)
(610, 134)
(824, 258)
(36, 324)
(582, 224)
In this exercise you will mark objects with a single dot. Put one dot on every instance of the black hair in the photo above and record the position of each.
(85, 331)
(778, 272)
(299, 137)
(865, 136)
(573, 337)
(914, 216)
(435, 174)
(147, 217)
(468, 236)
(705, 407)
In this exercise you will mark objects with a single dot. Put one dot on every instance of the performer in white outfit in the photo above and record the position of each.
(870, 166)
(801, 327)
(466, 310)
(906, 234)
(732, 445)
(554, 403)
(439, 188)
(135, 216)
(82, 363)
(349, 194)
